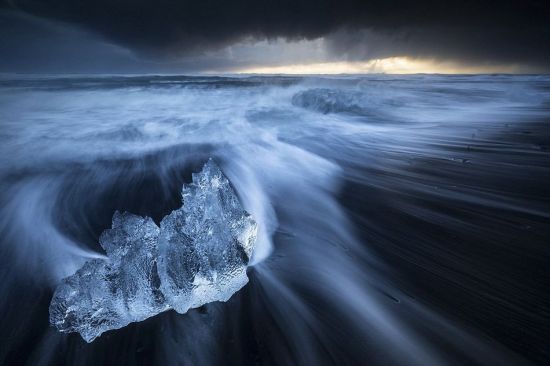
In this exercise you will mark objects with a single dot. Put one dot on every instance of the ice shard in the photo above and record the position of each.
(110, 294)
(199, 255)
(204, 247)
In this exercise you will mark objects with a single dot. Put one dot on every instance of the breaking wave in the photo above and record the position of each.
(330, 101)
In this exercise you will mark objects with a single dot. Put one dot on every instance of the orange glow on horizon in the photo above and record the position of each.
(390, 65)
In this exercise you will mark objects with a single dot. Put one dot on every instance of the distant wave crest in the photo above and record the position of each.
(330, 101)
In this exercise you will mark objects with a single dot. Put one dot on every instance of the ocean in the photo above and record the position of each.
(403, 219)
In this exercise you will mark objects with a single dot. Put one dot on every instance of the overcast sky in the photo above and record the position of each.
(171, 36)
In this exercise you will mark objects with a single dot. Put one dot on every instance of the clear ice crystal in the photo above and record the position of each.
(199, 255)
(110, 294)
(205, 245)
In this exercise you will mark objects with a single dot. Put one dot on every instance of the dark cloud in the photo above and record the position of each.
(498, 31)
(29, 44)
(467, 44)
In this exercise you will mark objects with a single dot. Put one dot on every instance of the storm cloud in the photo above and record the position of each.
(473, 31)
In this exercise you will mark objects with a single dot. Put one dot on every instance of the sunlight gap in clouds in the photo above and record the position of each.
(390, 65)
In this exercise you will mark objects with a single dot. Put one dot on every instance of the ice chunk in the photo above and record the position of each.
(199, 255)
(205, 246)
(109, 294)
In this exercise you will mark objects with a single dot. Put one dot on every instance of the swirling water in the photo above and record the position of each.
(402, 219)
